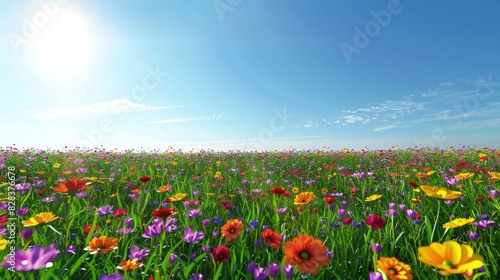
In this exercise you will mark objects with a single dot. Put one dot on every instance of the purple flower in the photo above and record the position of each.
(344, 204)
(376, 276)
(329, 254)
(192, 237)
(412, 214)
(251, 266)
(376, 247)
(195, 276)
(392, 205)
(34, 258)
(281, 211)
(274, 269)
(135, 253)
(125, 231)
(27, 233)
(258, 243)
(172, 258)
(260, 273)
(193, 213)
(473, 235)
(483, 224)
(341, 212)
(104, 210)
(170, 225)
(114, 276)
(23, 187)
(205, 222)
(217, 220)
(39, 183)
(71, 250)
(288, 271)
(253, 224)
(154, 230)
(128, 222)
(206, 248)
(22, 211)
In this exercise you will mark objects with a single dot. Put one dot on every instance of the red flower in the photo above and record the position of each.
(413, 185)
(347, 221)
(86, 229)
(3, 220)
(375, 222)
(221, 254)
(479, 199)
(164, 213)
(40, 192)
(145, 179)
(280, 191)
(329, 199)
(226, 204)
(120, 212)
(71, 187)
(300, 208)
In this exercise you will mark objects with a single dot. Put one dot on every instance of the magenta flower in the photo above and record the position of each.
(34, 258)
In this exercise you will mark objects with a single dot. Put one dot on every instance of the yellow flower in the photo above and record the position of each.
(179, 196)
(431, 172)
(464, 176)
(450, 257)
(3, 243)
(56, 165)
(4, 184)
(495, 175)
(41, 218)
(324, 190)
(22, 171)
(173, 162)
(295, 190)
(394, 269)
(441, 193)
(458, 222)
(304, 198)
(129, 264)
(373, 197)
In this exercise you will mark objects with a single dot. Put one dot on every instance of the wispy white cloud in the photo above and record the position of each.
(214, 117)
(380, 128)
(108, 107)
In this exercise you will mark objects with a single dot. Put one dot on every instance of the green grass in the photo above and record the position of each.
(245, 182)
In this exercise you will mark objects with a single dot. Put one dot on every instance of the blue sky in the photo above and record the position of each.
(249, 75)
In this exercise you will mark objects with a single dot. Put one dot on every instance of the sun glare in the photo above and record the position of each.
(62, 48)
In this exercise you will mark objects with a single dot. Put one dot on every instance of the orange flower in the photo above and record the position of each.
(232, 229)
(307, 253)
(71, 187)
(129, 264)
(179, 196)
(163, 189)
(304, 198)
(271, 238)
(102, 245)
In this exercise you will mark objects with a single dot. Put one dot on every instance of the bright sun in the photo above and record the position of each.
(62, 48)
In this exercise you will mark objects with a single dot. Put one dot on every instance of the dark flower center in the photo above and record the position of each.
(232, 230)
(304, 255)
(392, 271)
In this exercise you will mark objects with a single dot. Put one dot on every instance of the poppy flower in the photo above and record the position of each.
(221, 254)
(304, 198)
(145, 179)
(271, 238)
(102, 245)
(232, 229)
(307, 253)
(329, 199)
(71, 187)
(413, 184)
(163, 213)
(3, 220)
(375, 222)
(450, 257)
(86, 229)
(394, 269)
(441, 193)
(280, 191)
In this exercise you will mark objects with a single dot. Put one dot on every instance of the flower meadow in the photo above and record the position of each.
(348, 214)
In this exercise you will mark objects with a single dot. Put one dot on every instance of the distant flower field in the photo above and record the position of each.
(384, 214)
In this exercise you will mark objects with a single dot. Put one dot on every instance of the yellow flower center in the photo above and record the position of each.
(448, 263)
(232, 230)
(304, 255)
